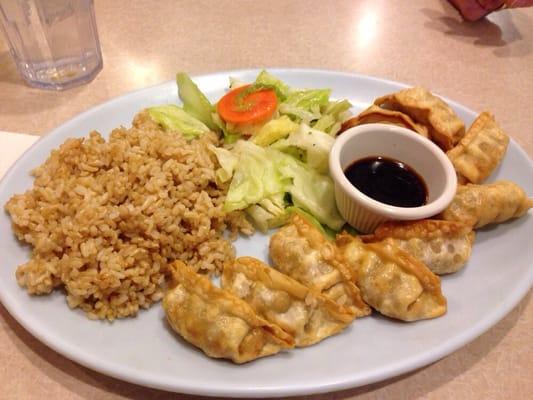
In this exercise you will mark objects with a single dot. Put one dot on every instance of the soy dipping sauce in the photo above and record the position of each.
(388, 181)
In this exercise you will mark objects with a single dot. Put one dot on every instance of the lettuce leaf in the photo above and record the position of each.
(228, 162)
(260, 217)
(255, 178)
(266, 80)
(264, 176)
(312, 192)
(313, 145)
(194, 101)
(305, 105)
(298, 113)
(324, 123)
(333, 116)
(309, 99)
(274, 130)
(269, 213)
(337, 108)
(174, 118)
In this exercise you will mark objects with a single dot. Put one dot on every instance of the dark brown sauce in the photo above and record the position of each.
(388, 181)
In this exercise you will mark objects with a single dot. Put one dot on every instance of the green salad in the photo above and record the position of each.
(276, 146)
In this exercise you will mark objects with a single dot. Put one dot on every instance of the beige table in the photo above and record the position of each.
(486, 65)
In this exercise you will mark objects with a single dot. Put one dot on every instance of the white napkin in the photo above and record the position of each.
(12, 145)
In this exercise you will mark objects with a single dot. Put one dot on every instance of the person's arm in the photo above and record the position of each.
(472, 10)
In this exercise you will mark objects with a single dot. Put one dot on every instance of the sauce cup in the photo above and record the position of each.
(374, 140)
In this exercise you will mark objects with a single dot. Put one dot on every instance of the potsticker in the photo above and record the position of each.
(375, 114)
(443, 246)
(301, 251)
(480, 205)
(216, 321)
(302, 312)
(480, 151)
(391, 281)
(445, 127)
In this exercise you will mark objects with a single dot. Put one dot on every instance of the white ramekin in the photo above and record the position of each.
(426, 158)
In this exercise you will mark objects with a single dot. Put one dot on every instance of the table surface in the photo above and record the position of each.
(487, 65)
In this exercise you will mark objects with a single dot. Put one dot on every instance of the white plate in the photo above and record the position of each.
(143, 350)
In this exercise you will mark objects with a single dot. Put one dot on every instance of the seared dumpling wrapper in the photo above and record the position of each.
(219, 323)
(443, 246)
(445, 127)
(391, 281)
(375, 114)
(480, 205)
(301, 251)
(480, 151)
(304, 313)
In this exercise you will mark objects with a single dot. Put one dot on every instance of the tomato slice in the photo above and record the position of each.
(242, 106)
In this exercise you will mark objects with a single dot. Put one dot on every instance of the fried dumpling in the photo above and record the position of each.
(445, 127)
(302, 312)
(480, 151)
(375, 114)
(480, 205)
(217, 322)
(301, 251)
(443, 246)
(391, 281)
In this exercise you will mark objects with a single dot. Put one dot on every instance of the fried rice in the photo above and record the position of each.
(105, 218)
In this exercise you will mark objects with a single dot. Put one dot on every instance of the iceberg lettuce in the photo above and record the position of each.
(312, 192)
(269, 213)
(194, 101)
(310, 99)
(174, 118)
(266, 182)
(274, 130)
(266, 80)
(255, 177)
(228, 162)
(313, 145)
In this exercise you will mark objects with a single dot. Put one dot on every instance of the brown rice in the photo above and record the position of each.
(105, 218)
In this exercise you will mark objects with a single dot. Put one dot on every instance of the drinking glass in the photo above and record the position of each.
(53, 42)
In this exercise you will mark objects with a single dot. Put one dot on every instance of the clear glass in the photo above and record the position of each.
(54, 42)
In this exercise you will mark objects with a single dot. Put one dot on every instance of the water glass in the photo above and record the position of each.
(53, 42)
